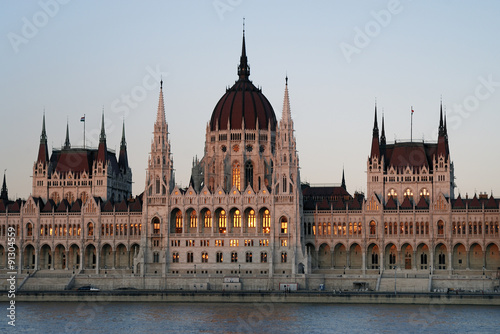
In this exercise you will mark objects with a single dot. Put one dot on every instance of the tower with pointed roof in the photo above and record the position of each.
(375, 164)
(4, 194)
(41, 166)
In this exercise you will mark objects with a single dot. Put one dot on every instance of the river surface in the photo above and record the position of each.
(127, 318)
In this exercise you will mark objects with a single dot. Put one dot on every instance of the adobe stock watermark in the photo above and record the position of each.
(371, 30)
(32, 26)
(483, 91)
(224, 6)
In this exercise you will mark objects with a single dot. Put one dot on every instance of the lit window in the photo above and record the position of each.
(237, 219)
(408, 193)
(156, 226)
(266, 221)
(392, 193)
(175, 257)
(284, 225)
(208, 219)
(251, 218)
(234, 243)
(234, 257)
(263, 257)
(283, 257)
(193, 219)
(219, 257)
(222, 221)
(178, 222)
(236, 175)
(204, 257)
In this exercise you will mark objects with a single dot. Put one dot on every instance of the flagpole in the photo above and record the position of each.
(411, 125)
(84, 131)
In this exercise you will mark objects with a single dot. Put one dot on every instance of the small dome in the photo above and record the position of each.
(243, 103)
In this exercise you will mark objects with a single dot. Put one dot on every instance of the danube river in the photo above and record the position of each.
(128, 318)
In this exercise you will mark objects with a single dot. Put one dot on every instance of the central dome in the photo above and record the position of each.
(243, 105)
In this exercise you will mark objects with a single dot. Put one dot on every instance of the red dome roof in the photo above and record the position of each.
(243, 102)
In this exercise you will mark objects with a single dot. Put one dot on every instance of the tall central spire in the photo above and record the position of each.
(160, 116)
(243, 68)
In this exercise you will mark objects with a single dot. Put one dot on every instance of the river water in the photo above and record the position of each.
(127, 318)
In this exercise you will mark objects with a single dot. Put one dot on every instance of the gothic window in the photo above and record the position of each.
(249, 174)
(263, 257)
(157, 185)
(234, 257)
(208, 219)
(190, 257)
(284, 183)
(156, 225)
(283, 257)
(178, 222)
(392, 193)
(90, 229)
(204, 257)
(251, 218)
(440, 226)
(237, 219)
(175, 257)
(29, 228)
(284, 225)
(219, 258)
(266, 221)
(222, 221)
(425, 193)
(236, 175)
(248, 257)
(193, 219)
(408, 193)
(84, 196)
(373, 228)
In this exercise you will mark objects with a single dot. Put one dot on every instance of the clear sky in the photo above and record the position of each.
(72, 58)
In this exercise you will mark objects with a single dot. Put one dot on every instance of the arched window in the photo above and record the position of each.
(263, 257)
(440, 226)
(193, 219)
(284, 183)
(251, 218)
(425, 193)
(29, 229)
(84, 196)
(156, 225)
(408, 193)
(222, 221)
(249, 174)
(175, 257)
(234, 257)
(392, 193)
(204, 257)
(283, 257)
(248, 257)
(69, 197)
(284, 225)
(373, 228)
(158, 184)
(208, 219)
(219, 258)
(237, 218)
(178, 222)
(266, 221)
(90, 229)
(236, 175)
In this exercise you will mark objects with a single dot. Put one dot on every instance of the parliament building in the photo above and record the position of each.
(246, 221)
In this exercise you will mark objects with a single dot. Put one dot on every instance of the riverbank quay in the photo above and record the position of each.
(316, 297)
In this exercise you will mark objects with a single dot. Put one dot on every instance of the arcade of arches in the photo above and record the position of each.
(407, 257)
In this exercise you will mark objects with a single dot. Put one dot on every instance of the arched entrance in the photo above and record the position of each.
(121, 257)
(423, 257)
(45, 257)
(106, 261)
(29, 257)
(60, 257)
(391, 256)
(440, 262)
(74, 257)
(373, 260)
(407, 253)
(340, 256)
(459, 257)
(90, 257)
(492, 257)
(355, 256)
(324, 256)
(476, 257)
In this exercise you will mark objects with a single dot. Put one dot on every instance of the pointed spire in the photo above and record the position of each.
(442, 148)
(43, 152)
(160, 115)
(123, 143)
(243, 68)
(382, 136)
(102, 150)
(375, 123)
(375, 140)
(4, 194)
(43, 136)
(343, 179)
(67, 144)
(102, 137)
(123, 158)
(286, 115)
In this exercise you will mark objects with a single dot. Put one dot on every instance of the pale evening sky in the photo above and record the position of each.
(72, 58)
